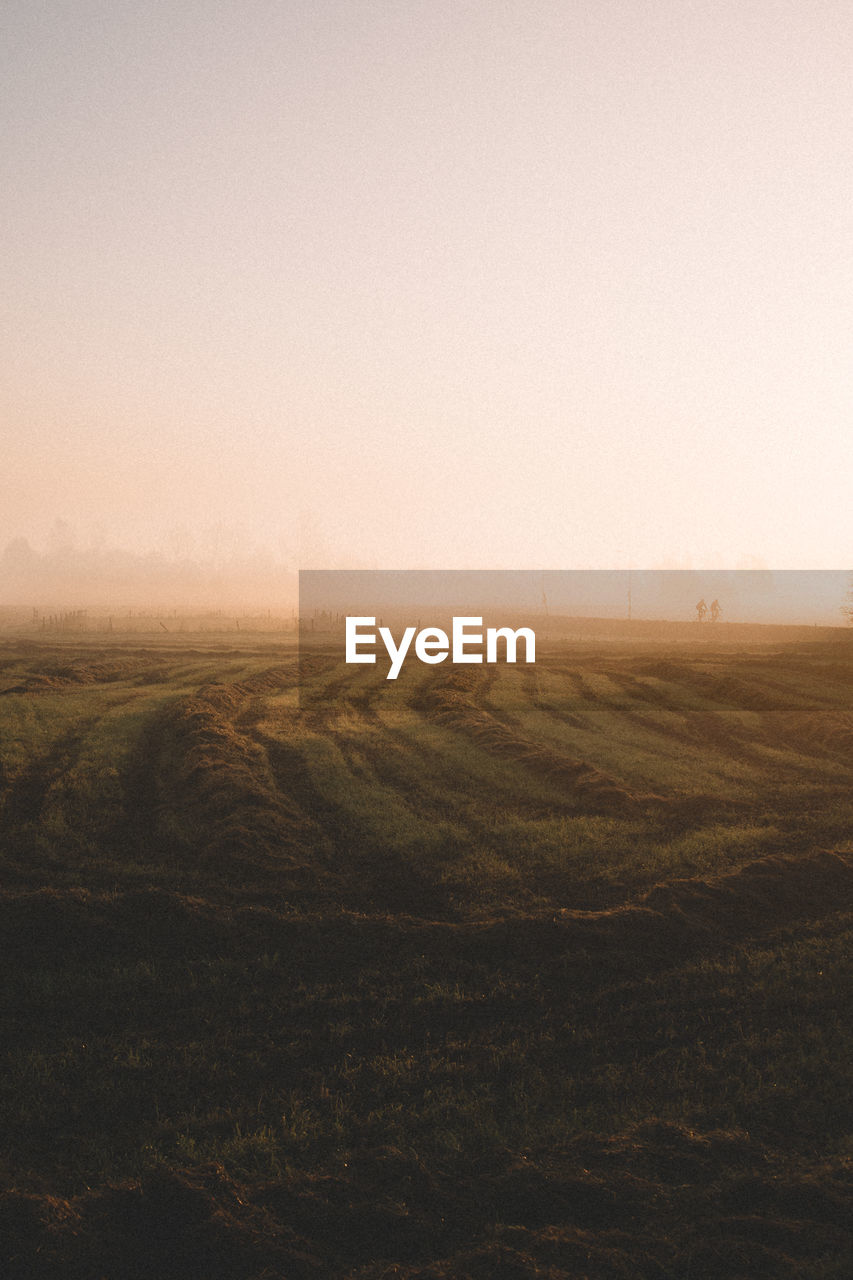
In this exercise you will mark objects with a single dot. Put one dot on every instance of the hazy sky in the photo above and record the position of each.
(423, 284)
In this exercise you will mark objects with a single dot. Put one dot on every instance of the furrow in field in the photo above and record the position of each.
(640, 745)
(663, 928)
(198, 782)
(822, 734)
(448, 701)
(539, 699)
(27, 793)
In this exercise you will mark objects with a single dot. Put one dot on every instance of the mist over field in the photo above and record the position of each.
(709, 596)
(226, 575)
(229, 576)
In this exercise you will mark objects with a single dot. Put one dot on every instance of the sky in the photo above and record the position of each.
(415, 284)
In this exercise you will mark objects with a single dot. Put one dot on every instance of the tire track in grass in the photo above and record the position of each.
(369, 870)
(399, 858)
(621, 713)
(822, 734)
(733, 740)
(803, 688)
(728, 692)
(323, 702)
(295, 777)
(355, 731)
(293, 780)
(419, 777)
(199, 783)
(28, 791)
(533, 688)
(447, 700)
(642, 719)
(701, 730)
(437, 792)
(640, 691)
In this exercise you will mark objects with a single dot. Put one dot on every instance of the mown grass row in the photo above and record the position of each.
(568, 784)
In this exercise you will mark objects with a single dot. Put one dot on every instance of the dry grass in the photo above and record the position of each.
(531, 975)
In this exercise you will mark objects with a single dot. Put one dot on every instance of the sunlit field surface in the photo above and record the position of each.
(485, 972)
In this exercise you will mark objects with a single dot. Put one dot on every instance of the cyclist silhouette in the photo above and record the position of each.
(701, 610)
(716, 610)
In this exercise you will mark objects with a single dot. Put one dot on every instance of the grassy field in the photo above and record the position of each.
(495, 972)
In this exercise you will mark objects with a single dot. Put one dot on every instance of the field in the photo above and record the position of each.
(497, 972)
